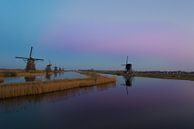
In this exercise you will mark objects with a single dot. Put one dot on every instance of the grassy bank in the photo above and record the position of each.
(41, 87)
(166, 76)
(176, 75)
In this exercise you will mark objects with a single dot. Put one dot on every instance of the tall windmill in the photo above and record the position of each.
(128, 67)
(30, 61)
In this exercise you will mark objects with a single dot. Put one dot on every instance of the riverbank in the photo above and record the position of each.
(176, 75)
(18, 73)
(166, 75)
(42, 87)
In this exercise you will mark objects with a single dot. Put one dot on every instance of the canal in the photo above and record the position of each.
(132, 103)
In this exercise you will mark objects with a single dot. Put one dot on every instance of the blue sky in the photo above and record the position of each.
(155, 34)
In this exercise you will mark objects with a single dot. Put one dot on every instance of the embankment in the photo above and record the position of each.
(176, 75)
(42, 87)
(18, 72)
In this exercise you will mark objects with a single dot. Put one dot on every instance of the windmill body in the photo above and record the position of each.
(30, 65)
(30, 61)
(48, 68)
(56, 69)
(128, 67)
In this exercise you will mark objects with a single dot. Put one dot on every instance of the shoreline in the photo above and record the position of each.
(42, 87)
(188, 77)
(176, 75)
(18, 73)
(22, 73)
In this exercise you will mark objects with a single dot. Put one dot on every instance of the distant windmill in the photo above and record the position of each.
(128, 67)
(30, 61)
(48, 67)
(56, 69)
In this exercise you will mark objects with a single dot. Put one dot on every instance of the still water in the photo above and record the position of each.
(58, 76)
(136, 103)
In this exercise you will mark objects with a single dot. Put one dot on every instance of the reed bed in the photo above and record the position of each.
(41, 87)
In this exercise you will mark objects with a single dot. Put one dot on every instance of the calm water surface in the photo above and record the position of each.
(144, 103)
(58, 76)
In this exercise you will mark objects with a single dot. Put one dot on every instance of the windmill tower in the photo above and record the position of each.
(48, 67)
(56, 69)
(128, 67)
(30, 61)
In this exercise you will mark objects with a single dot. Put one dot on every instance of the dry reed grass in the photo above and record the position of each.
(40, 87)
(17, 72)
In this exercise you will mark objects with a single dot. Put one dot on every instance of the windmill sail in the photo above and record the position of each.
(39, 59)
(127, 60)
(18, 57)
(30, 56)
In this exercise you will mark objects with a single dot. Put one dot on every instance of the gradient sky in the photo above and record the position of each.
(155, 34)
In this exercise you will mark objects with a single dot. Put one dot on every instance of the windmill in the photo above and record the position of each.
(56, 69)
(48, 67)
(128, 67)
(30, 61)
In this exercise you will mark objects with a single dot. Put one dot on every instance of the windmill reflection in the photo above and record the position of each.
(48, 76)
(30, 78)
(128, 82)
(55, 75)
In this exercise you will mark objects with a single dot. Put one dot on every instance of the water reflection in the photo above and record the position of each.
(151, 103)
(55, 76)
(30, 78)
(22, 103)
(128, 83)
(48, 76)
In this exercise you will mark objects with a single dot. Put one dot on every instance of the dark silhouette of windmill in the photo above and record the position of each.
(128, 67)
(48, 68)
(30, 61)
(48, 71)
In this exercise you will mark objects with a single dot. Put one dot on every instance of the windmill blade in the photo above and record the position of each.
(127, 60)
(39, 59)
(30, 56)
(24, 58)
